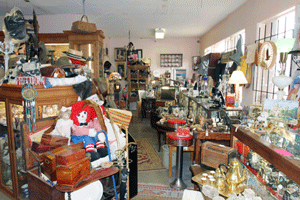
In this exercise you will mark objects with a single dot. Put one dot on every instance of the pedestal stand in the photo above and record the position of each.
(179, 142)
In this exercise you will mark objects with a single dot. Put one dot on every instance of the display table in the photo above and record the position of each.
(39, 188)
(94, 176)
(179, 142)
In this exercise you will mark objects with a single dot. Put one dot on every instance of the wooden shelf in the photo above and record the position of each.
(136, 76)
(290, 167)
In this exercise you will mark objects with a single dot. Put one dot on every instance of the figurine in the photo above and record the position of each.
(191, 118)
(64, 124)
(219, 101)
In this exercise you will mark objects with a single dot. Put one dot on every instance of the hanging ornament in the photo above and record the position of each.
(29, 93)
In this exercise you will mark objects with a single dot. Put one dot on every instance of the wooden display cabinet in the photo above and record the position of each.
(79, 41)
(12, 144)
(137, 79)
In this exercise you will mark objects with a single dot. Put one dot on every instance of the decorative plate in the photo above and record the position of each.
(267, 55)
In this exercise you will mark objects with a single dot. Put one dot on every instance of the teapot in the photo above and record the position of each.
(233, 177)
(220, 178)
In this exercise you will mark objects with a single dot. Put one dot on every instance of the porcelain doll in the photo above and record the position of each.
(64, 124)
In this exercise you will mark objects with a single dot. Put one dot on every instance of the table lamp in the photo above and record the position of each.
(237, 78)
(284, 46)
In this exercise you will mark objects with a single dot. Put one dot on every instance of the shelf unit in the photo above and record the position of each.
(137, 79)
(289, 166)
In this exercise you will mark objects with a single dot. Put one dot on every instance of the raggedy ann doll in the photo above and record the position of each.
(86, 126)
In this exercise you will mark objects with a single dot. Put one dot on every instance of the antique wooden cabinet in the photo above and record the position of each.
(89, 42)
(14, 160)
(137, 78)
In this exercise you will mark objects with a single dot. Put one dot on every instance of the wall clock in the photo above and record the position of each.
(267, 55)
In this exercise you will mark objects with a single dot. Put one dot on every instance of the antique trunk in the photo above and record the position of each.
(72, 174)
(212, 154)
(40, 189)
(49, 173)
(54, 140)
(69, 157)
(50, 157)
(41, 148)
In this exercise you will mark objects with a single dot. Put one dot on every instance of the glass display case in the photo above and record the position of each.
(275, 169)
(201, 107)
(14, 159)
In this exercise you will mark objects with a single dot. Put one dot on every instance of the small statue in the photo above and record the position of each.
(191, 118)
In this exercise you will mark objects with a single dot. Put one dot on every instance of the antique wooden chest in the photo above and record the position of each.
(212, 154)
(69, 157)
(72, 174)
(50, 157)
(54, 140)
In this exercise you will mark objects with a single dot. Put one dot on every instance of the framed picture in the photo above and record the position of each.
(196, 62)
(121, 69)
(283, 109)
(180, 74)
(139, 53)
(120, 54)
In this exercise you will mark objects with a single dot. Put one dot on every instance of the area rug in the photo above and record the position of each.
(155, 192)
(148, 158)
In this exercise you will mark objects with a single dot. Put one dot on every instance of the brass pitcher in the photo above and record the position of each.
(233, 177)
(220, 178)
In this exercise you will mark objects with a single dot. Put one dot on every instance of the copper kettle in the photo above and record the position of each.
(233, 176)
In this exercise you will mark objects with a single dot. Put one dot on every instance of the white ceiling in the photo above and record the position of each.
(180, 18)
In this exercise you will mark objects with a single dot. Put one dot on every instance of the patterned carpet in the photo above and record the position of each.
(155, 192)
(148, 159)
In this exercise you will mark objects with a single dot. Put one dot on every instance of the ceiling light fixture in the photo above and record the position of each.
(159, 33)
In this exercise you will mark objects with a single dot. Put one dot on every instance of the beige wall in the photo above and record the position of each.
(152, 49)
(245, 17)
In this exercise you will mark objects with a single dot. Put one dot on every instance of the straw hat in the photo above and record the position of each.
(74, 54)
(146, 60)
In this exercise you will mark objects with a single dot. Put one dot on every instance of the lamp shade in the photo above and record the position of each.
(285, 44)
(237, 77)
(159, 33)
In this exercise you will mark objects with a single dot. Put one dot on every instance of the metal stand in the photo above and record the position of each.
(178, 182)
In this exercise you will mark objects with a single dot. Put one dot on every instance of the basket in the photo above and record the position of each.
(83, 27)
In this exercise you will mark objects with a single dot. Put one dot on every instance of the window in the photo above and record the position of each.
(227, 44)
(272, 30)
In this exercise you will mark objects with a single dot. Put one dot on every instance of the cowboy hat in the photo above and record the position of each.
(74, 54)
(63, 62)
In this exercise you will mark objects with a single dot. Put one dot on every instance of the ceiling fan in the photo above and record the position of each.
(40, 10)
